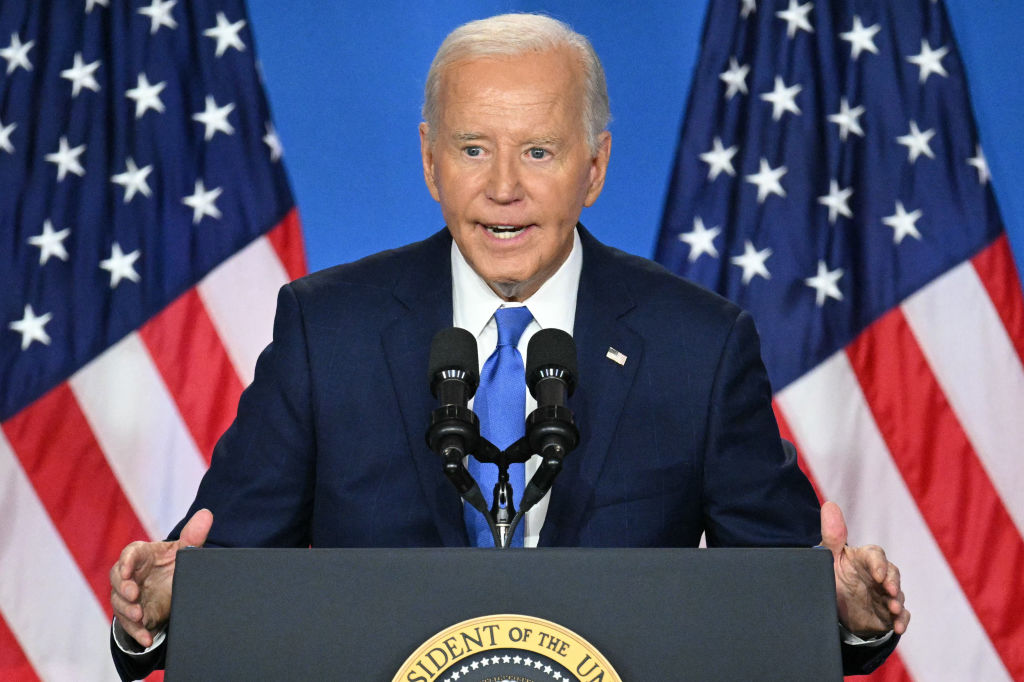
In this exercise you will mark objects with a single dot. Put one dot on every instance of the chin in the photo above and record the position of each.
(508, 290)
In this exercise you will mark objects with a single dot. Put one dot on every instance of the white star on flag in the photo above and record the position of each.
(226, 34)
(837, 201)
(273, 142)
(978, 161)
(50, 243)
(89, 4)
(917, 142)
(120, 265)
(202, 202)
(159, 14)
(929, 60)
(5, 136)
(749, 7)
(768, 180)
(16, 54)
(903, 223)
(701, 239)
(825, 284)
(133, 179)
(146, 96)
(215, 118)
(795, 17)
(82, 75)
(719, 159)
(782, 98)
(861, 38)
(847, 119)
(753, 262)
(66, 159)
(32, 328)
(735, 78)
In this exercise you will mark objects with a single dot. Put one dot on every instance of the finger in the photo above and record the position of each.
(833, 527)
(899, 626)
(126, 562)
(137, 632)
(892, 579)
(124, 610)
(128, 590)
(198, 527)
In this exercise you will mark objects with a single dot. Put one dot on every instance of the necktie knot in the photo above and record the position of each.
(511, 324)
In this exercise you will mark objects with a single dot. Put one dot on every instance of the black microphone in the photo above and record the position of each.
(454, 431)
(550, 430)
(454, 370)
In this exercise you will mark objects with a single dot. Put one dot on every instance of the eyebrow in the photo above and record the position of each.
(542, 141)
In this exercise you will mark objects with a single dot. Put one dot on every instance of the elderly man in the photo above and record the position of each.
(678, 436)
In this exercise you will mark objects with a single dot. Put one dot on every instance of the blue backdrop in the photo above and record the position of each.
(345, 82)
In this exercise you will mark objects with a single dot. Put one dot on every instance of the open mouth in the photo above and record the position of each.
(506, 231)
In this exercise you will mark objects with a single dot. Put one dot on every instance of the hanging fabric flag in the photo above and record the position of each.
(830, 180)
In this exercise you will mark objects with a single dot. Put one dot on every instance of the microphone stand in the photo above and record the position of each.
(454, 433)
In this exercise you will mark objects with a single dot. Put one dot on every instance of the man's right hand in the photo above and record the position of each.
(141, 579)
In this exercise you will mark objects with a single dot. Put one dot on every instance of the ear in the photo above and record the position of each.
(599, 167)
(427, 154)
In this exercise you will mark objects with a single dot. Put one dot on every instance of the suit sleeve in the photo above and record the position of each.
(261, 479)
(755, 493)
(260, 482)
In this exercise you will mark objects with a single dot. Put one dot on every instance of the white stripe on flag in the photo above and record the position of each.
(848, 457)
(137, 424)
(974, 360)
(43, 596)
(241, 297)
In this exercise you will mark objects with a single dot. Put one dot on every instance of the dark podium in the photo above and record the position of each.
(359, 614)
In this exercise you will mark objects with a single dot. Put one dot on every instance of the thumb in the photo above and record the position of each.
(198, 527)
(833, 527)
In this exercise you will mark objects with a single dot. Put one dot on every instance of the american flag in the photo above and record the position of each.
(146, 224)
(830, 179)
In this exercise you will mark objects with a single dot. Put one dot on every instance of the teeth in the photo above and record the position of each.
(505, 231)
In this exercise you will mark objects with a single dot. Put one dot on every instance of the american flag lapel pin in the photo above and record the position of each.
(615, 356)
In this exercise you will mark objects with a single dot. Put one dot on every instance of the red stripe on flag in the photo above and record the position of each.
(998, 274)
(787, 433)
(286, 238)
(943, 473)
(75, 484)
(14, 666)
(190, 357)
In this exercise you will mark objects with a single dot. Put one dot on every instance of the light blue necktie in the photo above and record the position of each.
(501, 406)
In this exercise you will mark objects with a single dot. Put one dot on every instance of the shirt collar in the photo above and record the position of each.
(553, 305)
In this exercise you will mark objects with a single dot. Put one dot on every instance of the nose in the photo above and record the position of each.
(504, 184)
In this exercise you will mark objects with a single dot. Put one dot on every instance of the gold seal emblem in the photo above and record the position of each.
(506, 648)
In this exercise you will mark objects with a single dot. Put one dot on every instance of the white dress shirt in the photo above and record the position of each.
(553, 305)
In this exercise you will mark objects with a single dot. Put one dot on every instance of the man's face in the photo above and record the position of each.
(510, 165)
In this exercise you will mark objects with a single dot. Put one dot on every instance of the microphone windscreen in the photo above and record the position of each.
(454, 348)
(551, 348)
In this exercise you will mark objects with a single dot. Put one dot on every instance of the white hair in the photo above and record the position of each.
(515, 34)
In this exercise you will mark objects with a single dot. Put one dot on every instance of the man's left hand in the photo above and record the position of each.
(868, 593)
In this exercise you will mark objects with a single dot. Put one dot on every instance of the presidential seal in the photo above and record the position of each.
(506, 648)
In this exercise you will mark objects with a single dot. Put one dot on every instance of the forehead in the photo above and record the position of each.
(548, 79)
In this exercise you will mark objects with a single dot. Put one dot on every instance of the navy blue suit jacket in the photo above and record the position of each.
(328, 447)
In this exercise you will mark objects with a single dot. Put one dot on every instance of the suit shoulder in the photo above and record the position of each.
(379, 271)
(656, 288)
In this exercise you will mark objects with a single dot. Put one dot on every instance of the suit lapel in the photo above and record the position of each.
(426, 293)
(603, 386)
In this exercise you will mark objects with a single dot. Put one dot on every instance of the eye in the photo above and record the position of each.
(473, 151)
(538, 153)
